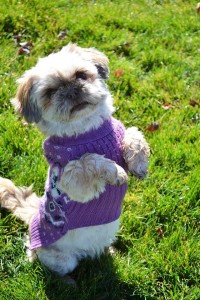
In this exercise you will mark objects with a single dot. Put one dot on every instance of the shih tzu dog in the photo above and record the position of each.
(89, 155)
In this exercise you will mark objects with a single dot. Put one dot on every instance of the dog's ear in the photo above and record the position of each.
(25, 103)
(100, 60)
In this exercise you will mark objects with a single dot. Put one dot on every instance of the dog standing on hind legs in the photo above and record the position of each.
(89, 155)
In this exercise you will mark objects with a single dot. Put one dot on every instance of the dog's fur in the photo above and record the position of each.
(65, 94)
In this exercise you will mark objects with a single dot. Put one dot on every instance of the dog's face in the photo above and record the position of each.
(64, 87)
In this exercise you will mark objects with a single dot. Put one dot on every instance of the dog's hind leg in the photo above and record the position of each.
(60, 262)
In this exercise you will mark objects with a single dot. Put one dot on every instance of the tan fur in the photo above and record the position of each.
(136, 152)
(23, 94)
(22, 202)
(97, 56)
(86, 178)
(55, 97)
(89, 53)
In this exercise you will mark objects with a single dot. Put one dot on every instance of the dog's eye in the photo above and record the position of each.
(81, 75)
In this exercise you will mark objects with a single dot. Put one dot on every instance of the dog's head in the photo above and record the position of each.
(63, 88)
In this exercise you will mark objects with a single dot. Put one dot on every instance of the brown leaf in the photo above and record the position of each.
(152, 127)
(62, 35)
(22, 50)
(198, 8)
(167, 105)
(26, 45)
(25, 48)
(118, 73)
(160, 232)
(127, 44)
(193, 103)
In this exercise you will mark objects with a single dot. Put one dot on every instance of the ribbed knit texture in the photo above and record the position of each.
(58, 213)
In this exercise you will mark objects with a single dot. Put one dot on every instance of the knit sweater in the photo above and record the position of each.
(57, 212)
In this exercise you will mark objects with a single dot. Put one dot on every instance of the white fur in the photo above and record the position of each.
(82, 179)
(63, 256)
(136, 152)
(85, 179)
(78, 126)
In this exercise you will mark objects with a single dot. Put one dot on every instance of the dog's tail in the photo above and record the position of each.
(22, 202)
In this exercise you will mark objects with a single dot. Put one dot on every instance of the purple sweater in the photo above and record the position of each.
(58, 213)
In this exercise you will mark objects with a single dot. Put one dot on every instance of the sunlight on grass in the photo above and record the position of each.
(153, 47)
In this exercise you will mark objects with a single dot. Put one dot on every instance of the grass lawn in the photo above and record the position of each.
(154, 52)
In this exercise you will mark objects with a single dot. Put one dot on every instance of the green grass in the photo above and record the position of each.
(156, 44)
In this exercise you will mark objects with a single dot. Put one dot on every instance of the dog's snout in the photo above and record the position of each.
(72, 92)
(69, 92)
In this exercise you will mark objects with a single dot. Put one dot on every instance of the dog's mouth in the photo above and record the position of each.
(79, 107)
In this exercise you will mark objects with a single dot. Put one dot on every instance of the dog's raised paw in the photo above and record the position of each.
(138, 167)
(117, 175)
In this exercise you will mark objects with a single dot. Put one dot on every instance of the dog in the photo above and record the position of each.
(89, 154)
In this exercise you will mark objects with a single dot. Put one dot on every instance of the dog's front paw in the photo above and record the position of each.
(115, 175)
(79, 182)
(136, 152)
(83, 180)
(138, 166)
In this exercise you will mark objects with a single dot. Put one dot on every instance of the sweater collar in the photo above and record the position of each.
(56, 148)
(92, 135)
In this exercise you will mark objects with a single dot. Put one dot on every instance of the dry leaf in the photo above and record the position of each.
(62, 35)
(25, 48)
(194, 103)
(118, 73)
(152, 127)
(198, 8)
(26, 45)
(167, 105)
(160, 232)
(127, 44)
(22, 50)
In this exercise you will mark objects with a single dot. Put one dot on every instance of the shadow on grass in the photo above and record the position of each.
(96, 280)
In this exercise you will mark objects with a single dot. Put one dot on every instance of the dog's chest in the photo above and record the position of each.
(59, 213)
(106, 140)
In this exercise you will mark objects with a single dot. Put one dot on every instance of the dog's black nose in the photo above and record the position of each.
(71, 92)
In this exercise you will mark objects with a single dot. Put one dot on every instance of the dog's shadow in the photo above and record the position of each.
(96, 279)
